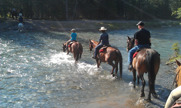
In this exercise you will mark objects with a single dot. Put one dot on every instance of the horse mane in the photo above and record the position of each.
(132, 41)
(93, 41)
(178, 77)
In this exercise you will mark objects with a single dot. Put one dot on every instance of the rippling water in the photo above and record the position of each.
(36, 73)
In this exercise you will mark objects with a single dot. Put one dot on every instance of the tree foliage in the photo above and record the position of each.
(92, 9)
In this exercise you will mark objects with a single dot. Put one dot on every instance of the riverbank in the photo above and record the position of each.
(81, 25)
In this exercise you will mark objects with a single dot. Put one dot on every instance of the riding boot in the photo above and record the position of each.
(130, 67)
(94, 57)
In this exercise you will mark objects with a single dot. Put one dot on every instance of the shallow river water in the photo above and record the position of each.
(35, 72)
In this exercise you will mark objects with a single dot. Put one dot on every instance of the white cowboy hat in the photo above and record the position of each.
(73, 30)
(102, 29)
(20, 14)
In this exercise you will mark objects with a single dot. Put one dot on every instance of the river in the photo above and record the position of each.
(35, 72)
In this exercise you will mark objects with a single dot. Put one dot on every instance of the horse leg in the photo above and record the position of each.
(113, 66)
(143, 85)
(138, 80)
(153, 90)
(98, 63)
(75, 56)
(134, 77)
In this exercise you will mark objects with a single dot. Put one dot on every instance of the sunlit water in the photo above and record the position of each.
(35, 72)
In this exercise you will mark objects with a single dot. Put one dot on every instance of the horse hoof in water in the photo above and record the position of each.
(155, 95)
(142, 95)
(148, 100)
(113, 75)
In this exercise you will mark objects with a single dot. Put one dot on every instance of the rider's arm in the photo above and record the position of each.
(150, 42)
(100, 39)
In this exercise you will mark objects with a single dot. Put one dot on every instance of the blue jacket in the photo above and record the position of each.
(73, 37)
(104, 39)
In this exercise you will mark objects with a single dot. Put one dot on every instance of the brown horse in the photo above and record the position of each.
(146, 60)
(109, 55)
(75, 48)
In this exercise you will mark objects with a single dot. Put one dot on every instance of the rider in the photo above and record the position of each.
(73, 38)
(142, 40)
(174, 95)
(103, 40)
(20, 19)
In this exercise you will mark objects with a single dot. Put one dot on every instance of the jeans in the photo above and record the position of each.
(133, 50)
(174, 95)
(97, 49)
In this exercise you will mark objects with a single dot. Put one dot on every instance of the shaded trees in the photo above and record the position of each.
(92, 9)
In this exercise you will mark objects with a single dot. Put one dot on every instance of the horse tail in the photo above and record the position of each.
(120, 61)
(79, 51)
(152, 58)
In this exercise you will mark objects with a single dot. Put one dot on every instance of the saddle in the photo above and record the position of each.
(134, 55)
(103, 49)
(69, 45)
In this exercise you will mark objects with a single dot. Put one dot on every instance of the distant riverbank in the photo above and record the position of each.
(81, 25)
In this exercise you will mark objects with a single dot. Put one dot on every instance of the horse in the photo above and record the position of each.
(146, 60)
(20, 27)
(177, 80)
(174, 100)
(75, 48)
(108, 55)
(14, 14)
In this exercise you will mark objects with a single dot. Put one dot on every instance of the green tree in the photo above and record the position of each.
(176, 49)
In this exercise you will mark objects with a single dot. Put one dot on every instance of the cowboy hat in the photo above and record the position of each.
(102, 29)
(72, 30)
(140, 23)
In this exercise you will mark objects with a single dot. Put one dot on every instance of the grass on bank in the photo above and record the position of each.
(176, 55)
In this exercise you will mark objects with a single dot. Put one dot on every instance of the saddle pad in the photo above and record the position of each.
(134, 55)
(102, 49)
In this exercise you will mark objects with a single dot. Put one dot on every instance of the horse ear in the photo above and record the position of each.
(129, 38)
(178, 63)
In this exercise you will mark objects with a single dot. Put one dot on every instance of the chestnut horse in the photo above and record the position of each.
(109, 55)
(146, 60)
(177, 80)
(75, 48)
(174, 99)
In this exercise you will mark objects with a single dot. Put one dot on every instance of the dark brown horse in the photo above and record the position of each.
(146, 60)
(75, 48)
(109, 55)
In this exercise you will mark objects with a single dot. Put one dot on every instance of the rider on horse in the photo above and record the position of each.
(142, 40)
(20, 19)
(73, 38)
(103, 40)
(21, 22)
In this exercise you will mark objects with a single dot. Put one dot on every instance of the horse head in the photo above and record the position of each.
(90, 45)
(64, 47)
(130, 43)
